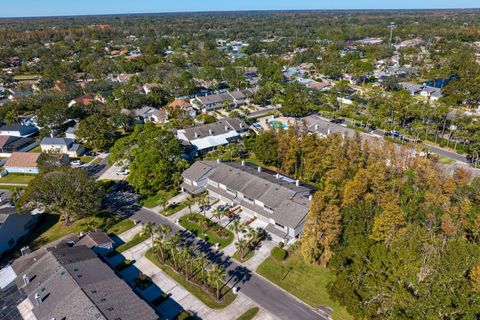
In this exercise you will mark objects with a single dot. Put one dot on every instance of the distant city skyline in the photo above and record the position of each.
(34, 8)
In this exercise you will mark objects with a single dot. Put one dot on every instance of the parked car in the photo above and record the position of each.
(123, 172)
(76, 163)
(337, 121)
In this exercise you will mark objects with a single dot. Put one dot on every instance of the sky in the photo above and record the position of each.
(33, 8)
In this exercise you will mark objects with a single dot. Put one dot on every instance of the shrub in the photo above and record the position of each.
(279, 253)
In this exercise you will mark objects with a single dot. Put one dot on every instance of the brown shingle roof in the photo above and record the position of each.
(23, 160)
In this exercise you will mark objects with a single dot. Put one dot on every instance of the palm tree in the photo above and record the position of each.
(241, 245)
(163, 230)
(160, 244)
(236, 227)
(173, 246)
(216, 275)
(185, 257)
(217, 214)
(148, 229)
(190, 202)
(203, 201)
(202, 262)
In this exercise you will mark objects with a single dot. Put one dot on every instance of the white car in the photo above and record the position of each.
(123, 172)
(76, 163)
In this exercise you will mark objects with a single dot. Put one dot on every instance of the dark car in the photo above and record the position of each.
(337, 121)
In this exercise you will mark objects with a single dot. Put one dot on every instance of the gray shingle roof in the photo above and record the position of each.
(57, 141)
(75, 284)
(198, 170)
(217, 128)
(315, 124)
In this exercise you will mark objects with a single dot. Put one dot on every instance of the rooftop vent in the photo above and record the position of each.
(226, 128)
(243, 163)
(277, 175)
(196, 134)
(297, 183)
(26, 280)
(38, 299)
(259, 169)
(310, 197)
(25, 250)
(210, 131)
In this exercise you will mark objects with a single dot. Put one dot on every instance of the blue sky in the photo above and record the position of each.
(27, 8)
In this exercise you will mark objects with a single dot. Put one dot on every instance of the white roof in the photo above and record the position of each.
(7, 276)
(213, 141)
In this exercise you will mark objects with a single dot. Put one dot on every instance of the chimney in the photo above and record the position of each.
(26, 280)
(38, 299)
(243, 163)
(297, 183)
(277, 175)
(316, 127)
(259, 169)
(196, 134)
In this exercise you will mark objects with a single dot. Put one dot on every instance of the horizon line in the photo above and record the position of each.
(232, 11)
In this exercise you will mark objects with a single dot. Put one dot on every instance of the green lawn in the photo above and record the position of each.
(171, 210)
(445, 160)
(210, 237)
(120, 227)
(194, 289)
(236, 256)
(15, 178)
(155, 200)
(86, 159)
(36, 149)
(306, 282)
(137, 239)
(249, 314)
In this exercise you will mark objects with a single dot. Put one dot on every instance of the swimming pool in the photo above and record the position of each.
(277, 124)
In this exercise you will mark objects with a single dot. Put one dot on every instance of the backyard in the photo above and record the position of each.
(305, 281)
(15, 178)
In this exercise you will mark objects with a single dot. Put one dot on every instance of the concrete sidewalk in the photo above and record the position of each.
(129, 234)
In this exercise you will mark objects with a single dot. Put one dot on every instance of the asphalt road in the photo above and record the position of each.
(267, 295)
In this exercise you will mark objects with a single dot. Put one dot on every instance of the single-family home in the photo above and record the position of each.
(412, 88)
(18, 130)
(86, 100)
(206, 137)
(324, 128)
(147, 114)
(14, 226)
(97, 240)
(148, 87)
(9, 144)
(279, 202)
(61, 145)
(431, 92)
(70, 132)
(23, 162)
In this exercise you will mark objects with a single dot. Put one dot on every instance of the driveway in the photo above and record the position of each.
(264, 293)
(111, 174)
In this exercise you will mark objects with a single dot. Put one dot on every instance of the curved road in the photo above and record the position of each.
(263, 292)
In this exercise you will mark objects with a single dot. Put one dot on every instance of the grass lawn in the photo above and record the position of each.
(172, 209)
(193, 288)
(36, 149)
(155, 200)
(306, 282)
(86, 159)
(446, 160)
(210, 237)
(137, 239)
(236, 256)
(123, 265)
(120, 227)
(24, 77)
(249, 314)
(14, 178)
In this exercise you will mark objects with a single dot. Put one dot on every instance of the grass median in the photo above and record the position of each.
(209, 230)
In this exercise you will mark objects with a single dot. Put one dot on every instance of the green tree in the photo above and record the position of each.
(96, 132)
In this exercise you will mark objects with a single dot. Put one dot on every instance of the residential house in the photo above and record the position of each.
(148, 87)
(370, 41)
(147, 114)
(17, 130)
(98, 241)
(14, 226)
(70, 132)
(431, 92)
(412, 88)
(9, 144)
(86, 100)
(231, 100)
(62, 145)
(23, 162)
(71, 282)
(324, 128)
(279, 202)
(319, 85)
(204, 138)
